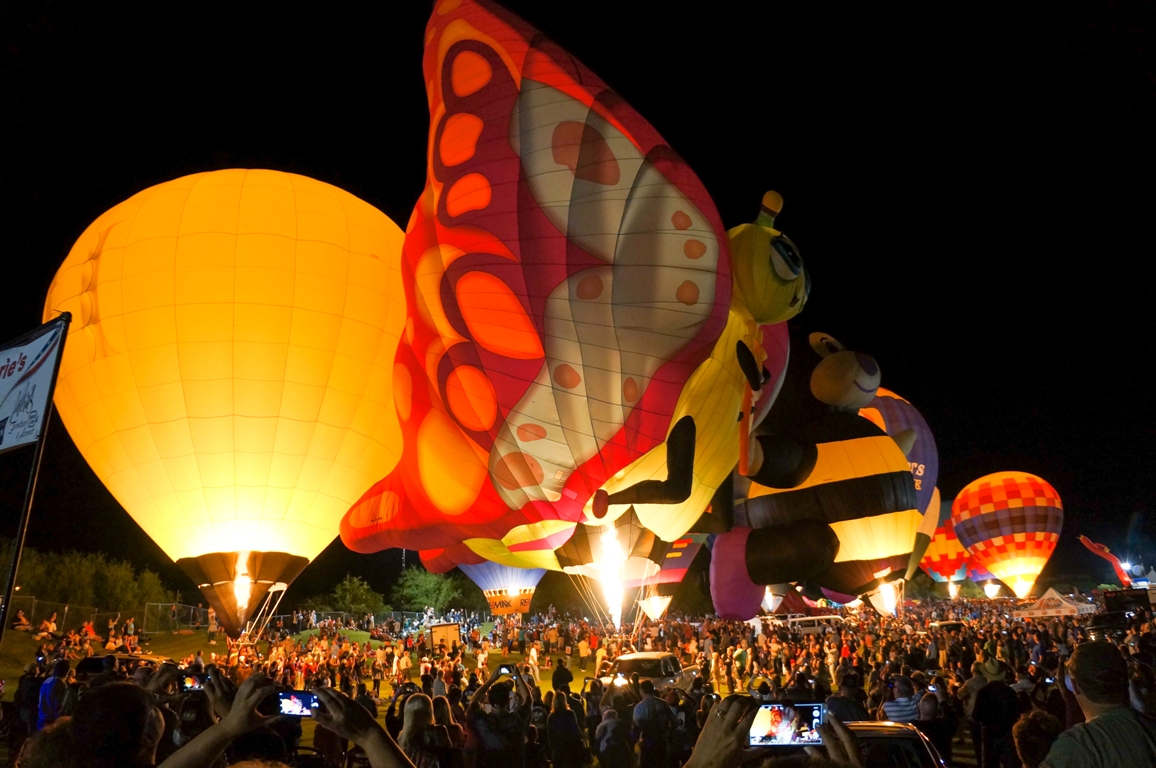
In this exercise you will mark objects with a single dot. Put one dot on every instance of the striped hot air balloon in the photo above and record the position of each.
(946, 559)
(508, 590)
(1010, 523)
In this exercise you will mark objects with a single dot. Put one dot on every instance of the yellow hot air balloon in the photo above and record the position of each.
(229, 370)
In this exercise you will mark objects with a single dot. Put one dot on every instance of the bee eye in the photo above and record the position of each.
(785, 258)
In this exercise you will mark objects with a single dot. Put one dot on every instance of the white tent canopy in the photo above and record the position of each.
(1055, 604)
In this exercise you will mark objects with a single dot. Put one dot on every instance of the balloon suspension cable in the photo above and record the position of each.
(255, 627)
(586, 592)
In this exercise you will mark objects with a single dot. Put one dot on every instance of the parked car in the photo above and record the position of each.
(661, 668)
(92, 666)
(894, 745)
(814, 625)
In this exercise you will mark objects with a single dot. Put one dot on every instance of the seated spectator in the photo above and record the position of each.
(47, 629)
(1112, 734)
(21, 622)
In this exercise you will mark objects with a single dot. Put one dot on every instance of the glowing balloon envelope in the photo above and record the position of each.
(895, 416)
(655, 605)
(575, 309)
(946, 559)
(508, 590)
(229, 369)
(1010, 523)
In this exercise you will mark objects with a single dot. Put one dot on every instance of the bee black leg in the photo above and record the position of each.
(675, 489)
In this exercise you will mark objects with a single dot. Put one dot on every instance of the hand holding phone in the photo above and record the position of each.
(298, 703)
(193, 682)
(781, 725)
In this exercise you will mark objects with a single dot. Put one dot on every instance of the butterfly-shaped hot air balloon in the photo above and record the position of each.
(583, 334)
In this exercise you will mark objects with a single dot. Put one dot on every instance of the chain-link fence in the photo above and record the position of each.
(64, 615)
(173, 617)
(309, 619)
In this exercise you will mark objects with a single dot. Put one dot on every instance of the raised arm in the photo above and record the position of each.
(242, 717)
(479, 696)
(350, 720)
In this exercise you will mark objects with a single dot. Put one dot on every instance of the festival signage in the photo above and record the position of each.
(503, 604)
(27, 368)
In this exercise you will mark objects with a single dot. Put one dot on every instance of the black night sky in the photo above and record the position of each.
(971, 186)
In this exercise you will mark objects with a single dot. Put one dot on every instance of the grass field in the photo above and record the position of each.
(18, 648)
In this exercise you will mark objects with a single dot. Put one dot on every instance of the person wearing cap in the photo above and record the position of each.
(996, 709)
(1113, 734)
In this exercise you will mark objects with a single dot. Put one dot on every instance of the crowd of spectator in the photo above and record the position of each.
(539, 691)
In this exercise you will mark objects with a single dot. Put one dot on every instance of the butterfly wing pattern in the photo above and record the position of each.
(566, 273)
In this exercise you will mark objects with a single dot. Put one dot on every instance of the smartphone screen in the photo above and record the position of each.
(506, 670)
(195, 682)
(779, 725)
(298, 703)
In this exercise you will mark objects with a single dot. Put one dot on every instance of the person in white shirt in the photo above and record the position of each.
(533, 662)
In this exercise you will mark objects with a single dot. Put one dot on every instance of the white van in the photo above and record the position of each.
(814, 625)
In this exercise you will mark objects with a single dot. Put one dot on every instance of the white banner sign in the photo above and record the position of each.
(27, 366)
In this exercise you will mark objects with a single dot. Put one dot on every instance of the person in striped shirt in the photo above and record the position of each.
(904, 704)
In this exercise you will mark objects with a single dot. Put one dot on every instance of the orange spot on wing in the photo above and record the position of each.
(471, 398)
(518, 470)
(694, 249)
(630, 389)
(589, 287)
(460, 138)
(585, 152)
(447, 6)
(469, 73)
(496, 318)
(450, 469)
(402, 391)
(528, 433)
(469, 193)
(680, 220)
(565, 376)
(687, 293)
